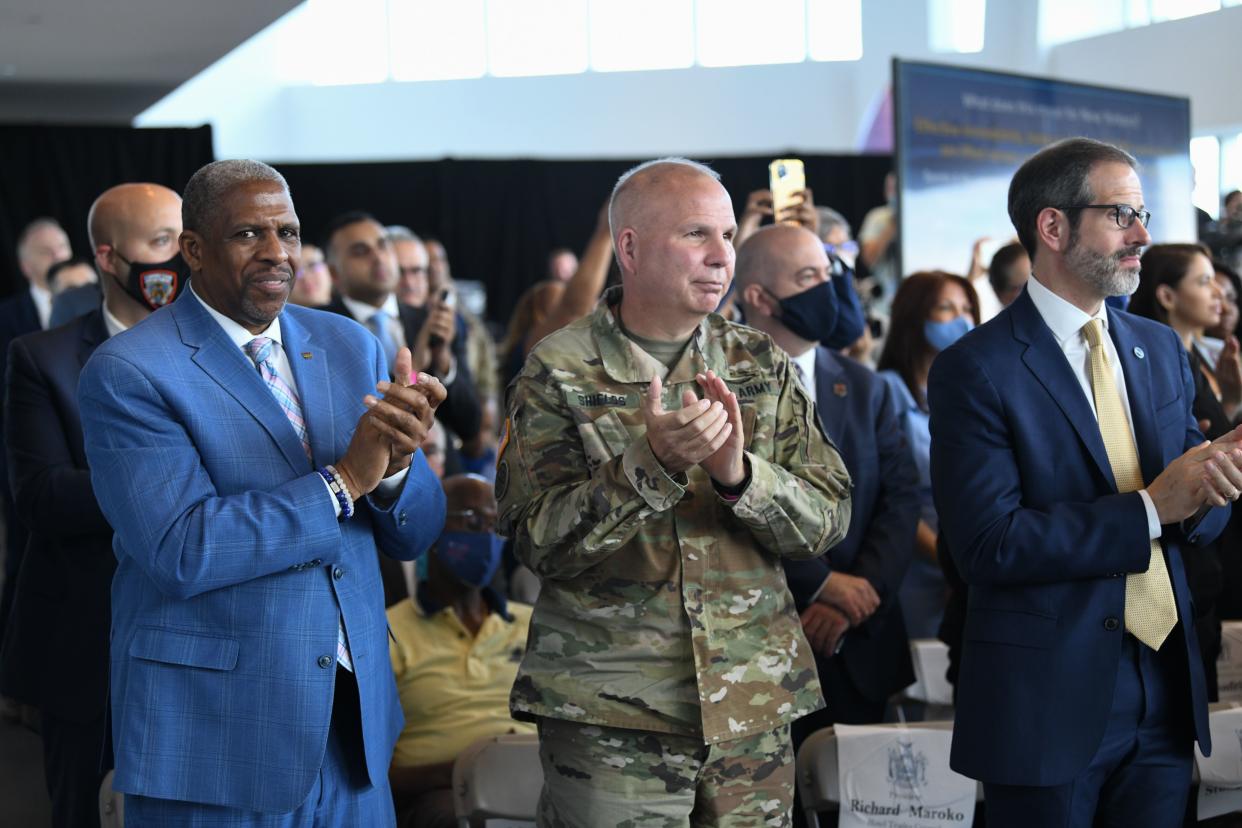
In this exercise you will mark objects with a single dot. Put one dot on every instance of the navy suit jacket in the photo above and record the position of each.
(232, 566)
(57, 637)
(1032, 516)
(859, 415)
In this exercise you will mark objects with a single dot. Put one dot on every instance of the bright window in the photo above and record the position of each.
(1177, 9)
(834, 29)
(350, 40)
(1205, 158)
(956, 25)
(641, 34)
(747, 33)
(1061, 21)
(434, 40)
(1230, 167)
(536, 37)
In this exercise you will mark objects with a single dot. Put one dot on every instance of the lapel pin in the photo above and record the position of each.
(306, 355)
(1138, 352)
(839, 389)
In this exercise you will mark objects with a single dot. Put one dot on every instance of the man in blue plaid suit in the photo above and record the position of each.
(250, 457)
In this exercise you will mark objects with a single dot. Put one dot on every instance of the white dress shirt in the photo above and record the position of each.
(43, 305)
(363, 312)
(1066, 322)
(806, 364)
(389, 486)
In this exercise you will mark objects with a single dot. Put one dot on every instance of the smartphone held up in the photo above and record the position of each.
(786, 180)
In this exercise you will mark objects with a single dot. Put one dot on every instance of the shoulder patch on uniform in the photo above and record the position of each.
(502, 479)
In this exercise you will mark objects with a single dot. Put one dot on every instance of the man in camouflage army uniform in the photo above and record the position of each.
(665, 659)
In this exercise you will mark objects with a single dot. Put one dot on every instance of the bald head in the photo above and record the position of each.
(643, 190)
(775, 263)
(776, 250)
(129, 211)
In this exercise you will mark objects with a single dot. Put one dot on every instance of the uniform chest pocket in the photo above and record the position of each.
(604, 438)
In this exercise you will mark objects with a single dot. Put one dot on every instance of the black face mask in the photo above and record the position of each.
(811, 314)
(155, 284)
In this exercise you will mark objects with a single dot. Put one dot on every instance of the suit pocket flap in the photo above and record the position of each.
(1022, 629)
(191, 650)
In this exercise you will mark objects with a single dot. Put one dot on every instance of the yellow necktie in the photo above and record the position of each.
(1151, 612)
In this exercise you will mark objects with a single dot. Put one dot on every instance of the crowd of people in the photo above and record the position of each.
(288, 529)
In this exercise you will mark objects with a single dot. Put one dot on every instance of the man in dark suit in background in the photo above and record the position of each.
(1069, 472)
(42, 243)
(848, 598)
(57, 638)
(365, 273)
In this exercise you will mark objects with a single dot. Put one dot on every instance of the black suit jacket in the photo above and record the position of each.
(58, 632)
(18, 316)
(859, 415)
(460, 412)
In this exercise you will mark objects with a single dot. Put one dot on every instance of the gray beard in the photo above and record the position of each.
(1103, 272)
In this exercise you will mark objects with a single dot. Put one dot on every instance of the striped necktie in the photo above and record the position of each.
(260, 350)
(1151, 612)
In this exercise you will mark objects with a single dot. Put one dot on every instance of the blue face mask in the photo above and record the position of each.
(472, 557)
(941, 335)
(811, 314)
(851, 321)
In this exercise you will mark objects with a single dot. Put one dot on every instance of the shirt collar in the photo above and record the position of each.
(424, 601)
(363, 312)
(236, 332)
(1062, 317)
(806, 362)
(111, 323)
(43, 304)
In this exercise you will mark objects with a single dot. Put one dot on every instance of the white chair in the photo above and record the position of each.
(111, 804)
(817, 775)
(497, 779)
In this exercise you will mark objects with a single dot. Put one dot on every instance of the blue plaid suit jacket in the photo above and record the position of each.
(232, 566)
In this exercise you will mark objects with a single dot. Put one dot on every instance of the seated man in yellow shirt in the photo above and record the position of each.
(455, 651)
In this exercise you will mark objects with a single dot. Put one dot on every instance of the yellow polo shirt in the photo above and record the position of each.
(454, 689)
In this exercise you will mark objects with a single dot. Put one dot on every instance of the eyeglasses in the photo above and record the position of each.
(474, 521)
(1123, 214)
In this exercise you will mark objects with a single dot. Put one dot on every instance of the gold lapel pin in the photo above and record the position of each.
(306, 355)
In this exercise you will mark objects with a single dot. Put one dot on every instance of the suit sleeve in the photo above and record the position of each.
(53, 495)
(157, 495)
(888, 539)
(977, 486)
(1205, 529)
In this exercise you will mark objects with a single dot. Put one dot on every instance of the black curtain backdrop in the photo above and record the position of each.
(58, 171)
(499, 219)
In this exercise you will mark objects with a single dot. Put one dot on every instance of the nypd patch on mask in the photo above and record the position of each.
(158, 287)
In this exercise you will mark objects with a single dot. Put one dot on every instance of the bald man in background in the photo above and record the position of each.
(58, 638)
(847, 598)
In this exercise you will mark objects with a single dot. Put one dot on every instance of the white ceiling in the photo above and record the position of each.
(106, 60)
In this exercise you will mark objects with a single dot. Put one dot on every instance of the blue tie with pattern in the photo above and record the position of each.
(378, 323)
(260, 349)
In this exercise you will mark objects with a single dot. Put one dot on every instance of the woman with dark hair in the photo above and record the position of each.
(1178, 287)
(931, 311)
(1217, 336)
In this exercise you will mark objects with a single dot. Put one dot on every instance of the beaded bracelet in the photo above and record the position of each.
(337, 484)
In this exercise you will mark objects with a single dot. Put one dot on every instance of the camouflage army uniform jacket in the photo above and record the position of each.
(663, 605)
